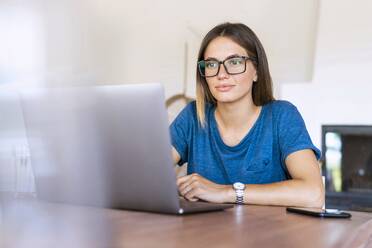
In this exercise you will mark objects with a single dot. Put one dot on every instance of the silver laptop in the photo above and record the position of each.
(105, 146)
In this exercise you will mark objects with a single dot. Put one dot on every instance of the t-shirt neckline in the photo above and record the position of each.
(242, 142)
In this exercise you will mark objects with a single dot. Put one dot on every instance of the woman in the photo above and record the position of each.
(240, 144)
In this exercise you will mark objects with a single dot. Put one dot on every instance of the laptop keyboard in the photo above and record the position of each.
(200, 206)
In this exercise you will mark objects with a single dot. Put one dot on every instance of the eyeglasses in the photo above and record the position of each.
(233, 65)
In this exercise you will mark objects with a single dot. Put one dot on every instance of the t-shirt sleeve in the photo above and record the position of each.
(180, 132)
(293, 135)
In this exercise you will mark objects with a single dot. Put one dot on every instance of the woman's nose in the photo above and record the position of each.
(222, 73)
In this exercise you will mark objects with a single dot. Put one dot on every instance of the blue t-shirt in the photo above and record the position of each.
(259, 157)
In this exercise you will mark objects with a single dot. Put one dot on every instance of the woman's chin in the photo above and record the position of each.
(232, 97)
(226, 99)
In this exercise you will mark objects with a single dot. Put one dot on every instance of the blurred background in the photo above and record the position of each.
(319, 51)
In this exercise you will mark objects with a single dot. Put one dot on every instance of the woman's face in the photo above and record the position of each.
(224, 87)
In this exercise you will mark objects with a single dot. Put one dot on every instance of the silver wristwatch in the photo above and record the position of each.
(239, 192)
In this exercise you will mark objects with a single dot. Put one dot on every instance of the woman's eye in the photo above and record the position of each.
(236, 61)
(211, 64)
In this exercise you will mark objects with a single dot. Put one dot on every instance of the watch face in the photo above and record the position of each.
(239, 186)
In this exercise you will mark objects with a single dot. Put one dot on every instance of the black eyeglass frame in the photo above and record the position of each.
(253, 59)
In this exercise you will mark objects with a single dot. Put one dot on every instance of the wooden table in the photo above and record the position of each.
(29, 223)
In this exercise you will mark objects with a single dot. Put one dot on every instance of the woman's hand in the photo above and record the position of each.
(195, 187)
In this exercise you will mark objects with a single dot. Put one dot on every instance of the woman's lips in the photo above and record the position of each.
(224, 87)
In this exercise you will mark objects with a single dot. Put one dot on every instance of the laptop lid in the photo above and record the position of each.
(105, 146)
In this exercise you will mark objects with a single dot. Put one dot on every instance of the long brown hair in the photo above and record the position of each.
(262, 92)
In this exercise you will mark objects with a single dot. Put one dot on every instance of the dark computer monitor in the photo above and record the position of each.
(347, 166)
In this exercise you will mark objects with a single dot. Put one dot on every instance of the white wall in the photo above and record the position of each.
(85, 42)
(341, 91)
(22, 43)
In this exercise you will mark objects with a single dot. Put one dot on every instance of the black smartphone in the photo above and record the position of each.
(318, 212)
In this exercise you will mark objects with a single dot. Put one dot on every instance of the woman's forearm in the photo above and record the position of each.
(294, 192)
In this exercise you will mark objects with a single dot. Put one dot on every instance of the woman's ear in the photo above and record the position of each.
(255, 77)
